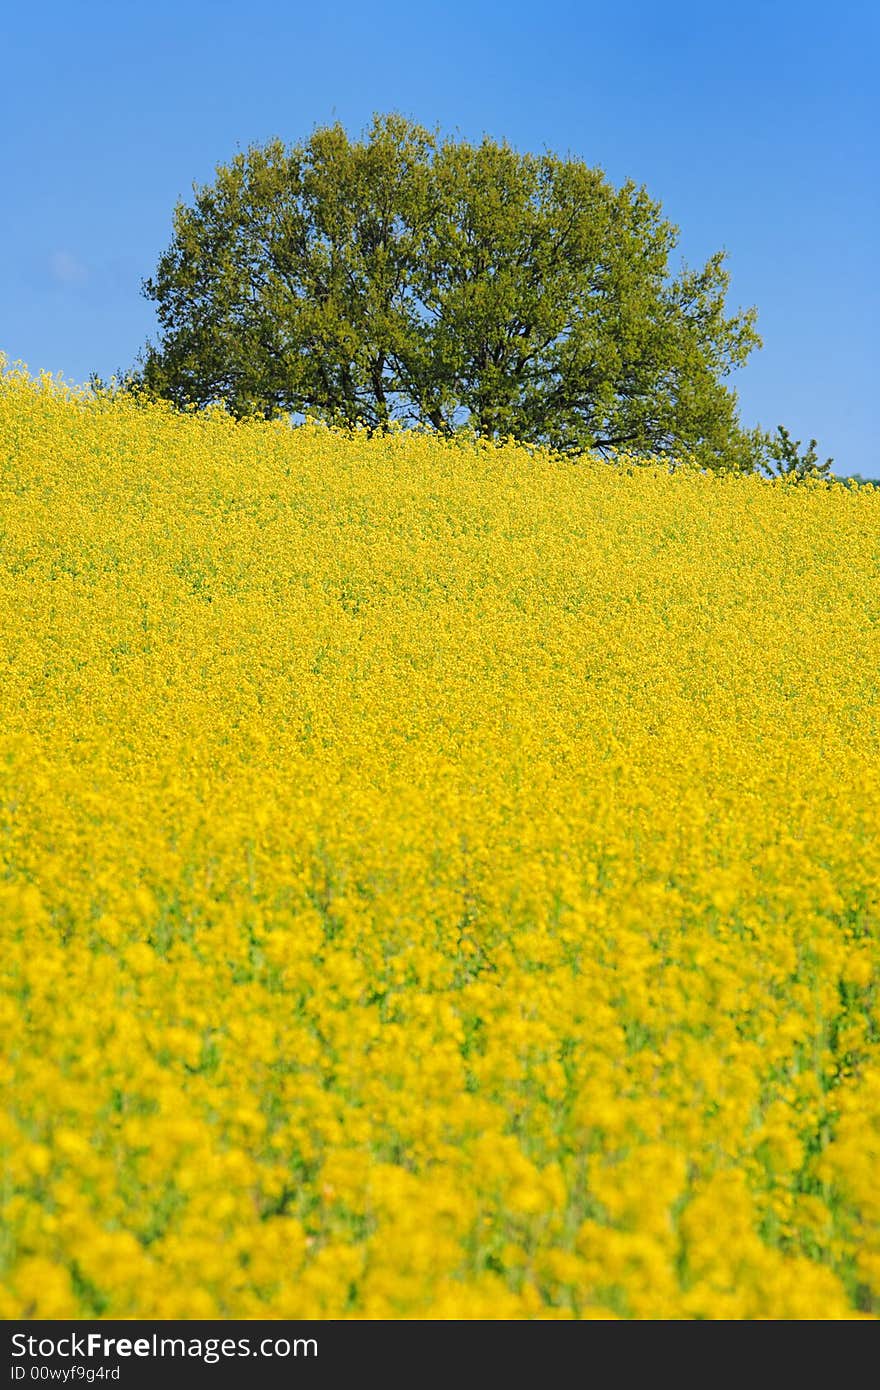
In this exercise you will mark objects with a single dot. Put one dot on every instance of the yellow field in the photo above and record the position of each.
(437, 881)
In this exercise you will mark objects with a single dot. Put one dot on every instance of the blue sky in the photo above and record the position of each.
(754, 125)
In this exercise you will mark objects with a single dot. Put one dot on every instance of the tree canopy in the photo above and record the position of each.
(409, 277)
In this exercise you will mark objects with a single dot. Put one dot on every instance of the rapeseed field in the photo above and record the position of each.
(437, 880)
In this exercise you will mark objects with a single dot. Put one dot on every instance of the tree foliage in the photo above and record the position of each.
(446, 284)
(784, 459)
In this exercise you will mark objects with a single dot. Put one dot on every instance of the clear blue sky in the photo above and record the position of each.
(754, 124)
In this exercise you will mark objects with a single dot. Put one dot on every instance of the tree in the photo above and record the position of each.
(439, 283)
(785, 461)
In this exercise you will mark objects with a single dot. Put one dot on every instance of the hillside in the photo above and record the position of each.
(437, 881)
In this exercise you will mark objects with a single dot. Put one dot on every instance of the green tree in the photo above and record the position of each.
(784, 459)
(435, 282)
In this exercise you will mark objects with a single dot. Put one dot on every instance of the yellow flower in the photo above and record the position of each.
(436, 880)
